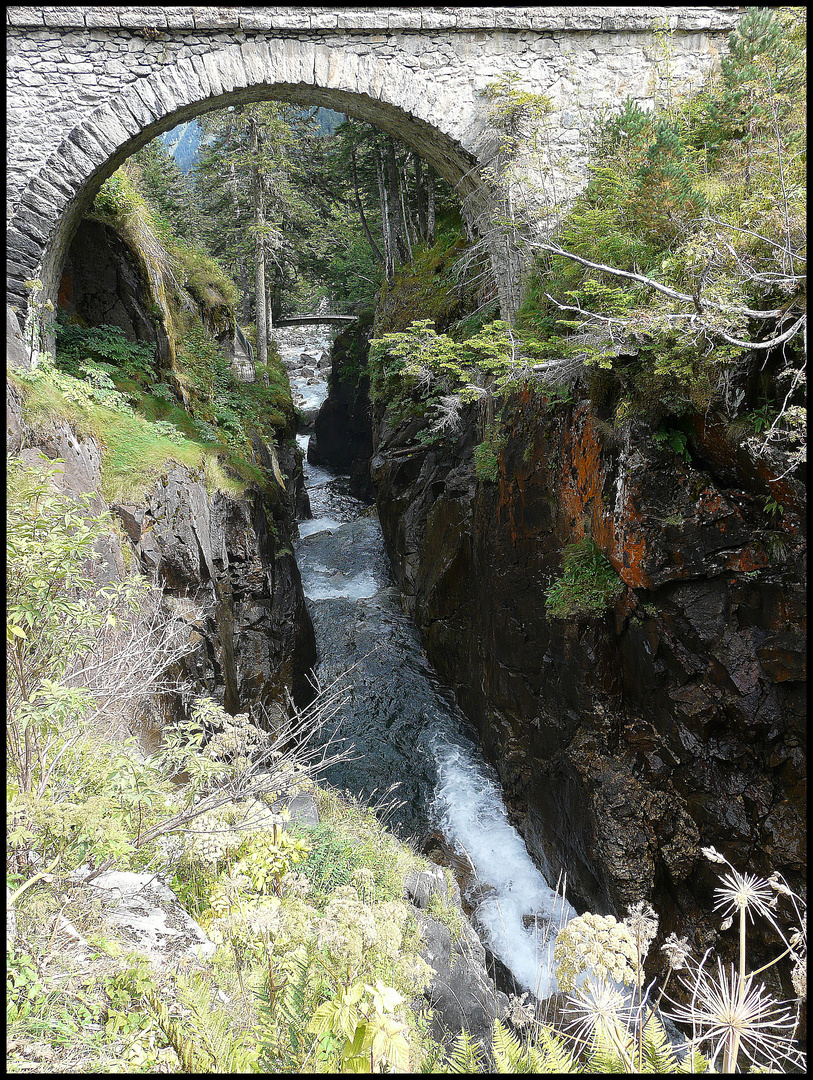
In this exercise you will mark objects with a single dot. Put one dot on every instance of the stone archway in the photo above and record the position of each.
(447, 131)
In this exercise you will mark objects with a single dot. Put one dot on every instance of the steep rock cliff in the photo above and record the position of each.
(231, 555)
(233, 558)
(624, 742)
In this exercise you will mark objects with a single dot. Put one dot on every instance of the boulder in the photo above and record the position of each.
(462, 995)
(143, 912)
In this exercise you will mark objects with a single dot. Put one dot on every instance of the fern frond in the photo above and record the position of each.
(693, 1063)
(466, 1055)
(604, 1060)
(205, 1038)
(193, 1059)
(550, 1054)
(507, 1050)
(658, 1054)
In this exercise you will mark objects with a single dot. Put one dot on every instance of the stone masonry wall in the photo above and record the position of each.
(87, 86)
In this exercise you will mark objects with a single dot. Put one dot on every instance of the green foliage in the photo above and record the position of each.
(412, 372)
(25, 991)
(587, 586)
(676, 439)
(204, 1039)
(771, 506)
(54, 613)
(369, 1038)
(429, 284)
(665, 199)
(706, 197)
(487, 454)
(102, 346)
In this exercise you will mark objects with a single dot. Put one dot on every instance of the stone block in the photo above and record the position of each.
(52, 187)
(256, 63)
(140, 18)
(232, 69)
(25, 16)
(293, 19)
(117, 123)
(213, 18)
(65, 16)
(179, 18)
(32, 222)
(146, 91)
(141, 113)
(438, 18)
(208, 63)
(173, 87)
(324, 20)
(321, 64)
(18, 242)
(96, 141)
(295, 61)
(405, 19)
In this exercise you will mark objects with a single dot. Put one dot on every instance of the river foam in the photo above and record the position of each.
(470, 810)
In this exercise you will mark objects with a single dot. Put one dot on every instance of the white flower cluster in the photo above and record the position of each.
(598, 943)
(642, 923)
(238, 739)
(211, 838)
(296, 884)
(347, 927)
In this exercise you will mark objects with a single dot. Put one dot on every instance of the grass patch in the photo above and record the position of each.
(134, 455)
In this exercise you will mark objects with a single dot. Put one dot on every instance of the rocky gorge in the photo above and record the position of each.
(626, 742)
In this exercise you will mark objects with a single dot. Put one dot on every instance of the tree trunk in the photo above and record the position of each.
(389, 259)
(259, 248)
(405, 217)
(394, 203)
(360, 208)
(245, 303)
(430, 205)
(420, 195)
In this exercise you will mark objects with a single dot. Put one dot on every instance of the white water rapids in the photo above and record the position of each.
(405, 726)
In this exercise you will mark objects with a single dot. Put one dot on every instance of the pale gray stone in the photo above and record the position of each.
(147, 916)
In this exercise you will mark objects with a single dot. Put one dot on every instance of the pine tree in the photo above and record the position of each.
(665, 199)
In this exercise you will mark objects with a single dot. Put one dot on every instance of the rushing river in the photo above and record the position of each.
(404, 725)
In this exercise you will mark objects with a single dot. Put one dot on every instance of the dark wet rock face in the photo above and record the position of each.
(626, 741)
(103, 285)
(230, 556)
(343, 435)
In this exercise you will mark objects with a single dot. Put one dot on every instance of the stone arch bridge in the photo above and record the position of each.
(88, 86)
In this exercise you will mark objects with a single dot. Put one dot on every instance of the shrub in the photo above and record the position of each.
(588, 585)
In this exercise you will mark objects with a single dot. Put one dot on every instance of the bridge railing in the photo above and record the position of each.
(319, 307)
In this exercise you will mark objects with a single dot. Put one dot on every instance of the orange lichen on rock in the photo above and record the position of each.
(750, 558)
(582, 481)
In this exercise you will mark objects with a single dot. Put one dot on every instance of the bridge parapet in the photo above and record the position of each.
(608, 19)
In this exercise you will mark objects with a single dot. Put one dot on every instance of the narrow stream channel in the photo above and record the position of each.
(405, 726)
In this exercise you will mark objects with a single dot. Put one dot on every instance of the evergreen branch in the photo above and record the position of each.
(673, 294)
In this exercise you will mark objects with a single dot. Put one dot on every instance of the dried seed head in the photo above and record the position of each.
(677, 951)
